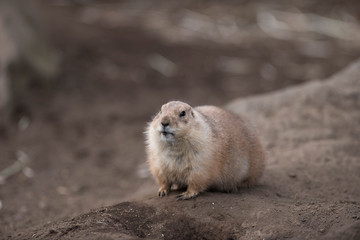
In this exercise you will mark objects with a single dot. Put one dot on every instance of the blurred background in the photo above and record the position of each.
(79, 79)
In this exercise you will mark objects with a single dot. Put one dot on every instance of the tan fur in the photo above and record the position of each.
(207, 149)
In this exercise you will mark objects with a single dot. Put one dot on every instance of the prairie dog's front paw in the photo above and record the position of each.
(187, 195)
(163, 192)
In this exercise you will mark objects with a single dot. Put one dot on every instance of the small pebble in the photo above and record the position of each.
(24, 123)
(28, 172)
(292, 175)
(62, 190)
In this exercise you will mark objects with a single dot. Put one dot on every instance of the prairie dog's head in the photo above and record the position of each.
(174, 120)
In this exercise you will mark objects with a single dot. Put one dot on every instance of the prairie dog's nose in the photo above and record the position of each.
(165, 121)
(165, 124)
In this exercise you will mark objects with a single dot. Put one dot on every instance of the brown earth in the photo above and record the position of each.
(85, 145)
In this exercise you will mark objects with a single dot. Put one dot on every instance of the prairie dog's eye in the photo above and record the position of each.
(182, 114)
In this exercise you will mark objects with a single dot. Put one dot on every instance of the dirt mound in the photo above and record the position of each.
(309, 190)
(131, 220)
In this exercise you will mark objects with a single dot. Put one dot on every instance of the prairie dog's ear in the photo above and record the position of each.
(192, 113)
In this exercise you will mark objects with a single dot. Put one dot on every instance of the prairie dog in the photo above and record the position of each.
(202, 148)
